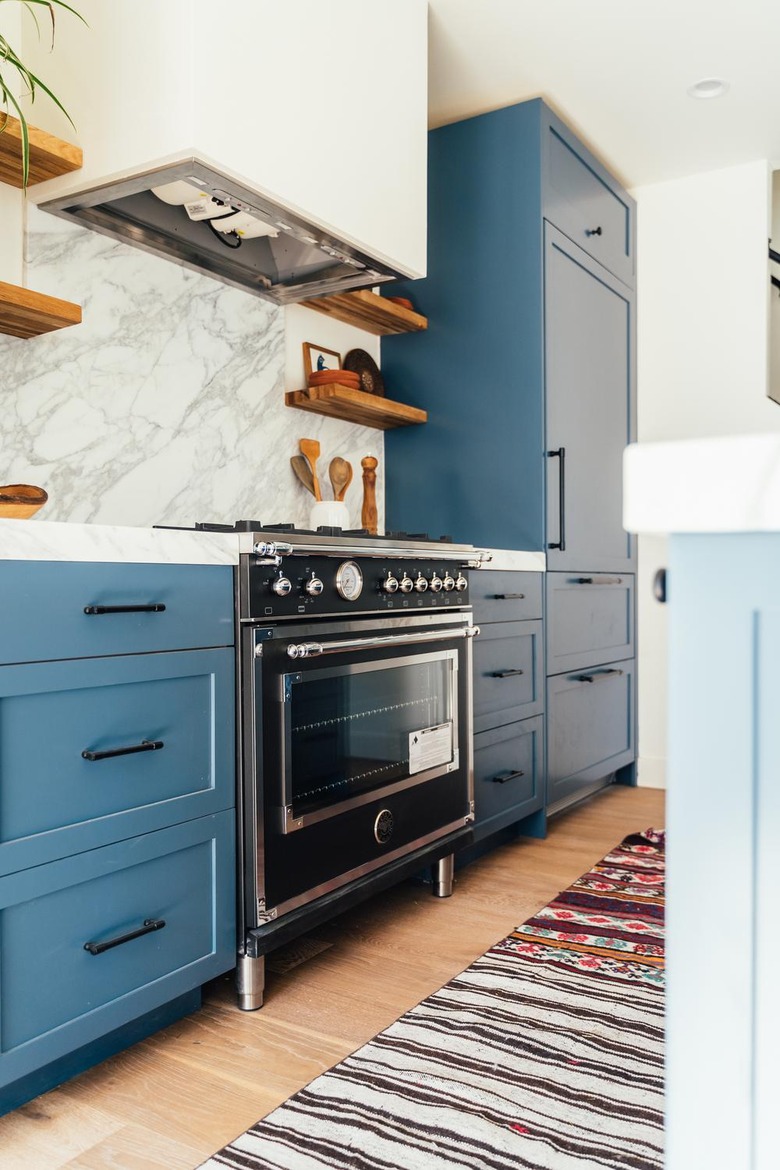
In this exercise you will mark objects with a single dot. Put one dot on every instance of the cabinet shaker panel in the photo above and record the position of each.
(589, 344)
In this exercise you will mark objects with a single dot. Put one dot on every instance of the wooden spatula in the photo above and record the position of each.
(340, 471)
(310, 449)
(303, 471)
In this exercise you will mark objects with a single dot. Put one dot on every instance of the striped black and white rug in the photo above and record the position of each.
(544, 1054)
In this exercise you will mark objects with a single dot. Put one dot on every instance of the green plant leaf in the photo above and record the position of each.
(9, 59)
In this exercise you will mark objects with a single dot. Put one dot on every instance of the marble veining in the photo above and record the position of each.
(33, 540)
(166, 405)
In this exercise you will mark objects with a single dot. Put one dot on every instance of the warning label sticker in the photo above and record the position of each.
(430, 747)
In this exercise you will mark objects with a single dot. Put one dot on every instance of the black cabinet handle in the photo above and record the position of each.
(597, 581)
(560, 454)
(146, 745)
(600, 674)
(508, 596)
(150, 924)
(155, 607)
(659, 586)
(506, 673)
(593, 231)
(505, 777)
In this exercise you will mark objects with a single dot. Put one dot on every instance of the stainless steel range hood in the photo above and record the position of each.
(292, 260)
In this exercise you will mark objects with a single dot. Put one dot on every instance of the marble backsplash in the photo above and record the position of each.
(166, 405)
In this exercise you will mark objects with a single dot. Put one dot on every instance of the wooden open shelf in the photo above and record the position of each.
(368, 311)
(24, 313)
(49, 156)
(370, 410)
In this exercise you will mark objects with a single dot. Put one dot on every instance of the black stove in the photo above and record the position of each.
(288, 529)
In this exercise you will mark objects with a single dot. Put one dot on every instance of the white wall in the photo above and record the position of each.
(11, 200)
(702, 353)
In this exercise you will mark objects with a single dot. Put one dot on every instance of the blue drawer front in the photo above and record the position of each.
(590, 619)
(54, 802)
(508, 774)
(56, 995)
(42, 616)
(508, 673)
(505, 596)
(590, 727)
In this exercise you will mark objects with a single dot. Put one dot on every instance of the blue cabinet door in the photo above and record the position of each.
(62, 987)
(81, 610)
(590, 408)
(67, 779)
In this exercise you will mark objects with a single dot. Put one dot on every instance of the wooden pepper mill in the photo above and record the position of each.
(369, 517)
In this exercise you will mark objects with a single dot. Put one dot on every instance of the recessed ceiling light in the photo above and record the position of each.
(708, 87)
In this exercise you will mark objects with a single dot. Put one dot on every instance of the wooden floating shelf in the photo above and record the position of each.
(368, 311)
(49, 156)
(370, 410)
(24, 313)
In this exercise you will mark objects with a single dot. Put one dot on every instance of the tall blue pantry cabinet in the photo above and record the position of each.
(527, 371)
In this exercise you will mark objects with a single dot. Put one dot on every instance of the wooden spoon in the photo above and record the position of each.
(302, 469)
(340, 471)
(310, 448)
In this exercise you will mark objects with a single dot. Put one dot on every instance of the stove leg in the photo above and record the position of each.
(250, 982)
(443, 873)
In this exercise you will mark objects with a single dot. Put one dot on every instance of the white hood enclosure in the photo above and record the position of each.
(279, 145)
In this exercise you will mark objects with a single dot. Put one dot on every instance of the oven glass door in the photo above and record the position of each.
(352, 731)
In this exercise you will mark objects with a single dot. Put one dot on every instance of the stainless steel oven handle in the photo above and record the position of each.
(315, 649)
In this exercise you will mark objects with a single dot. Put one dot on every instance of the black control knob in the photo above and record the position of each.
(449, 583)
(406, 584)
(437, 584)
(461, 583)
(421, 583)
(282, 586)
(390, 584)
(313, 587)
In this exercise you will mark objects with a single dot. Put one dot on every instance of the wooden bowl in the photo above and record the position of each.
(20, 501)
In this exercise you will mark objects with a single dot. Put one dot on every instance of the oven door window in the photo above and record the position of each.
(354, 731)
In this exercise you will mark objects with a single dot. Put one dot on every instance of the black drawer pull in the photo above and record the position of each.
(508, 596)
(150, 924)
(506, 673)
(659, 586)
(591, 678)
(593, 231)
(560, 454)
(146, 745)
(597, 581)
(155, 607)
(505, 777)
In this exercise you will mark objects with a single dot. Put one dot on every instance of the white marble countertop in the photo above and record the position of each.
(45, 540)
(517, 559)
(729, 484)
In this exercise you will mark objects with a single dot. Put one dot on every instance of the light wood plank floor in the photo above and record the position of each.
(177, 1097)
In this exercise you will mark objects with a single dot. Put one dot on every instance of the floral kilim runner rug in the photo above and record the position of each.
(545, 1054)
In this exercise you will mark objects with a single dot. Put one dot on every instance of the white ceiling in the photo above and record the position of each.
(617, 71)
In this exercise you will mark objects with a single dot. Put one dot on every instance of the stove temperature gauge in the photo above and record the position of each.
(349, 581)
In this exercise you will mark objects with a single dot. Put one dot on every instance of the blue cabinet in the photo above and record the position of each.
(117, 807)
(527, 371)
(509, 774)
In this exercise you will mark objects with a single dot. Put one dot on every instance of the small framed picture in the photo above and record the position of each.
(316, 359)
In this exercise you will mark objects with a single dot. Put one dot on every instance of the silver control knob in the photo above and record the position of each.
(461, 583)
(282, 586)
(313, 587)
(436, 583)
(406, 584)
(449, 583)
(390, 584)
(421, 583)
